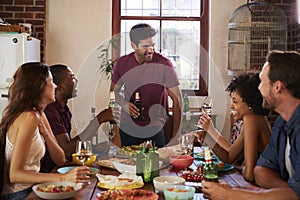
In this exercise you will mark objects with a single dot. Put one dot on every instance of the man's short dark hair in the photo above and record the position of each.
(58, 72)
(285, 67)
(141, 32)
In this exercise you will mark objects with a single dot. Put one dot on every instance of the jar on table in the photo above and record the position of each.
(147, 163)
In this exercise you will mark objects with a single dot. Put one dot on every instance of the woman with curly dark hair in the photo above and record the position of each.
(246, 103)
(25, 133)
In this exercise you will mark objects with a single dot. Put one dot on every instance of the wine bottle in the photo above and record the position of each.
(112, 101)
(210, 169)
(92, 117)
(138, 103)
(112, 104)
(186, 103)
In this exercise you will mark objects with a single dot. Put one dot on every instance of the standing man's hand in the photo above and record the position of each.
(132, 110)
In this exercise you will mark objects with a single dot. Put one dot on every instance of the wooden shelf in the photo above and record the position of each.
(14, 28)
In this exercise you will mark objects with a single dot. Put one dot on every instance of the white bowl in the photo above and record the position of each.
(179, 192)
(161, 181)
(60, 195)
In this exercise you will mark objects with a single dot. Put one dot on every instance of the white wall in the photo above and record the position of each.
(77, 27)
(218, 78)
(74, 28)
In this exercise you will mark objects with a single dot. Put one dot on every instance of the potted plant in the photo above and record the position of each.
(107, 58)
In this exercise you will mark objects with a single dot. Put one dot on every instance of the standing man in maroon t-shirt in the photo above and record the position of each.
(153, 76)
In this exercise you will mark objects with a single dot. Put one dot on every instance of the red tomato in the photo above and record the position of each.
(189, 177)
(184, 175)
(194, 178)
(199, 178)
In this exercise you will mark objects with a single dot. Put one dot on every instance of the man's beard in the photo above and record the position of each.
(268, 103)
(265, 104)
(148, 57)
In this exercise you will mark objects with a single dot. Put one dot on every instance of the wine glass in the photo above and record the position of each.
(83, 151)
(187, 146)
(206, 107)
(111, 131)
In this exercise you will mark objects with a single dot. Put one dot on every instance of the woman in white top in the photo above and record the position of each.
(25, 133)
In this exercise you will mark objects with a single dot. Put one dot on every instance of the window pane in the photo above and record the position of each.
(178, 40)
(181, 43)
(181, 8)
(140, 7)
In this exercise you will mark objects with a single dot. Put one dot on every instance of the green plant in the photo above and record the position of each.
(106, 60)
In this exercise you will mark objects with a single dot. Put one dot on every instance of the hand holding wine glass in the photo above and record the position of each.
(205, 121)
(206, 112)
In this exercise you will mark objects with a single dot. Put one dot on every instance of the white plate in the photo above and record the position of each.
(123, 181)
(124, 168)
(121, 156)
(60, 195)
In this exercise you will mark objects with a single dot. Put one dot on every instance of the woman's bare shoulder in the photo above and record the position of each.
(253, 121)
(29, 116)
(26, 123)
(252, 118)
(257, 122)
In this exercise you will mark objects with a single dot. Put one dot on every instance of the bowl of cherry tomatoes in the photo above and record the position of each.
(192, 176)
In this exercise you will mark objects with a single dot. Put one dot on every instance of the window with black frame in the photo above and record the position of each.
(182, 35)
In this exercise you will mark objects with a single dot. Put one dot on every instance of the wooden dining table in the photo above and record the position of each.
(89, 191)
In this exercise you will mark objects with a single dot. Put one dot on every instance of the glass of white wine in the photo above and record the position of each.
(84, 151)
